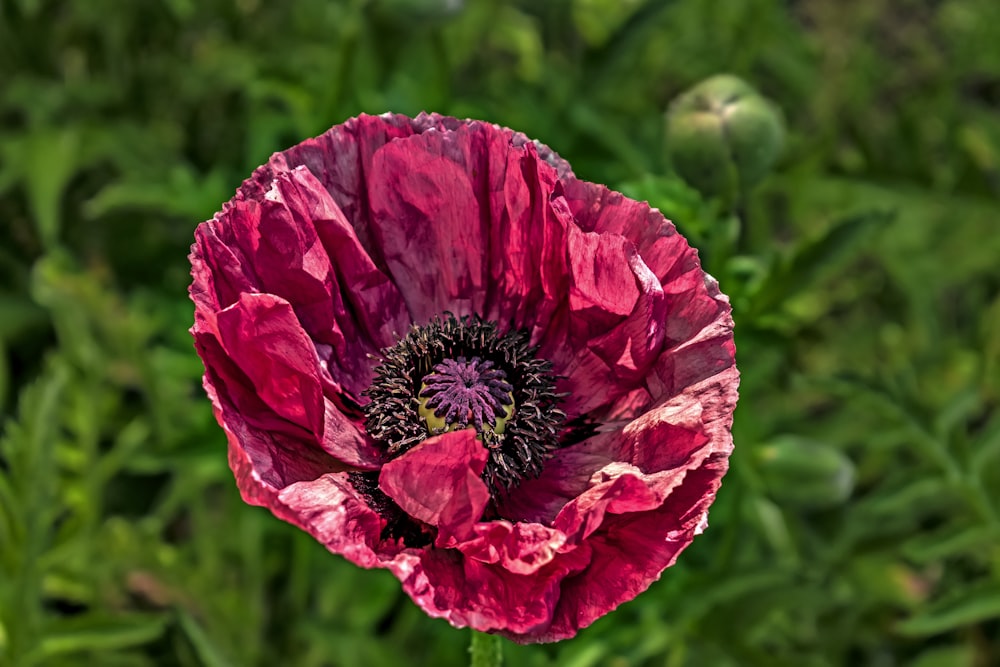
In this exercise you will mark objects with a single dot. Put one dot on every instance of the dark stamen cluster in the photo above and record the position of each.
(467, 358)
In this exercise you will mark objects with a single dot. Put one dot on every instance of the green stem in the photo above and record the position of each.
(485, 650)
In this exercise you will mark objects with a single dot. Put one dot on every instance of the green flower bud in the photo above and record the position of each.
(723, 137)
(804, 474)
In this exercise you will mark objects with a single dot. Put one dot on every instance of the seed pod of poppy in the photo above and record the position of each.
(805, 474)
(723, 136)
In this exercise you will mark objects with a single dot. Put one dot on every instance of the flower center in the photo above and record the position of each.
(459, 392)
(457, 373)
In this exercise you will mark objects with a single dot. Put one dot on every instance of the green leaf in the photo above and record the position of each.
(27, 487)
(44, 160)
(987, 446)
(946, 656)
(968, 607)
(951, 541)
(773, 526)
(615, 140)
(597, 20)
(98, 632)
(915, 497)
(585, 655)
(4, 379)
(18, 314)
(816, 259)
(183, 193)
(736, 586)
(804, 474)
(209, 652)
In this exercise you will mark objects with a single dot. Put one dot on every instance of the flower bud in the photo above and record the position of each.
(723, 136)
(804, 474)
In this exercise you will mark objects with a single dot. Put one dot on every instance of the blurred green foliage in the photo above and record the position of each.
(859, 523)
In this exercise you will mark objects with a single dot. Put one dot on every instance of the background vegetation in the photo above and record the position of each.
(859, 524)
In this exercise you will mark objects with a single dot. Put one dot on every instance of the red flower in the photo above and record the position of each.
(438, 352)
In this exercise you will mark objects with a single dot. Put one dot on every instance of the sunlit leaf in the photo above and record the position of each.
(100, 633)
(976, 604)
(817, 258)
(209, 653)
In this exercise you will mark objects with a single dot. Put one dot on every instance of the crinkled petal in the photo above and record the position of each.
(628, 553)
(564, 477)
(439, 482)
(427, 219)
(332, 511)
(708, 352)
(519, 548)
(598, 209)
(461, 217)
(368, 306)
(262, 336)
(220, 271)
(604, 289)
(528, 273)
(677, 436)
(613, 332)
(465, 221)
(470, 593)
(341, 158)
(266, 453)
(294, 242)
(288, 256)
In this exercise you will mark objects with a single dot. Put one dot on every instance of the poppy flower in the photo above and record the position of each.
(440, 353)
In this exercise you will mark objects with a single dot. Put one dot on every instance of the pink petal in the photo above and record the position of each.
(613, 332)
(341, 158)
(598, 209)
(487, 598)
(708, 352)
(427, 220)
(333, 512)
(295, 243)
(288, 257)
(220, 271)
(676, 436)
(261, 333)
(628, 553)
(565, 476)
(440, 205)
(367, 306)
(528, 273)
(603, 289)
(270, 458)
(519, 548)
(364, 305)
(440, 483)
(264, 450)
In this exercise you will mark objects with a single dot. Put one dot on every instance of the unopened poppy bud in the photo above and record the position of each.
(805, 474)
(723, 136)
